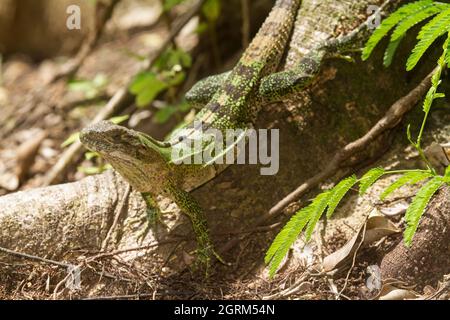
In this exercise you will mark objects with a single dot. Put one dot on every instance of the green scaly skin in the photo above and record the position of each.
(146, 164)
(283, 85)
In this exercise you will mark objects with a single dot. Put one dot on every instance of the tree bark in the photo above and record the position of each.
(428, 258)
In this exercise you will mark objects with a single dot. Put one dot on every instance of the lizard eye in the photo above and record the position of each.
(116, 135)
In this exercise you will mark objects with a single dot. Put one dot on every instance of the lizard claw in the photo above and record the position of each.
(204, 257)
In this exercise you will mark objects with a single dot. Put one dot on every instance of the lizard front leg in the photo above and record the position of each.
(203, 91)
(281, 85)
(152, 217)
(192, 209)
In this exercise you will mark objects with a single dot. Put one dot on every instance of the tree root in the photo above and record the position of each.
(428, 258)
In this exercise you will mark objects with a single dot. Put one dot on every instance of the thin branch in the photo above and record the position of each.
(363, 235)
(33, 257)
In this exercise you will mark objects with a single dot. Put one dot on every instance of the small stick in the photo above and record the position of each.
(33, 257)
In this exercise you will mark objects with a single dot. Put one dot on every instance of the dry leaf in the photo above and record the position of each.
(377, 227)
(389, 292)
(395, 210)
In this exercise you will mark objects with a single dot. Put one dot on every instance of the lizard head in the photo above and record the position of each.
(142, 163)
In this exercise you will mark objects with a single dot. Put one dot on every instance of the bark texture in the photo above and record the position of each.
(54, 220)
(428, 258)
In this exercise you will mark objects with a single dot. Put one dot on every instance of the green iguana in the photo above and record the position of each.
(232, 101)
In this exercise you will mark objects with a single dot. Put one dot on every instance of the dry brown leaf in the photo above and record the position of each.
(389, 292)
(376, 227)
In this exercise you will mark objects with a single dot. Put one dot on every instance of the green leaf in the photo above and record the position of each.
(408, 178)
(176, 79)
(418, 206)
(406, 24)
(90, 88)
(93, 170)
(146, 86)
(164, 114)
(173, 57)
(309, 216)
(339, 192)
(390, 22)
(416, 18)
(119, 119)
(201, 28)
(169, 4)
(369, 179)
(91, 155)
(71, 139)
(318, 207)
(447, 53)
(428, 102)
(390, 51)
(285, 239)
(211, 10)
(140, 82)
(429, 33)
(408, 133)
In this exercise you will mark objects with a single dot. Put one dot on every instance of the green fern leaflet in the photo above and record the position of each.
(418, 206)
(402, 21)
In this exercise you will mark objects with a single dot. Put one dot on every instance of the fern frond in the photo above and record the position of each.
(339, 192)
(406, 24)
(429, 98)
(286, 238)
(427, 36)
(390, 51)
(447, 53)
(417, 18)
(391, 22)
(418, 206)
(408, 178)
(318, 207)
(369, 179)
(309, 215)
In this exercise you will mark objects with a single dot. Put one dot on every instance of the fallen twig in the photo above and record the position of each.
(33, 257)
(363, 235)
